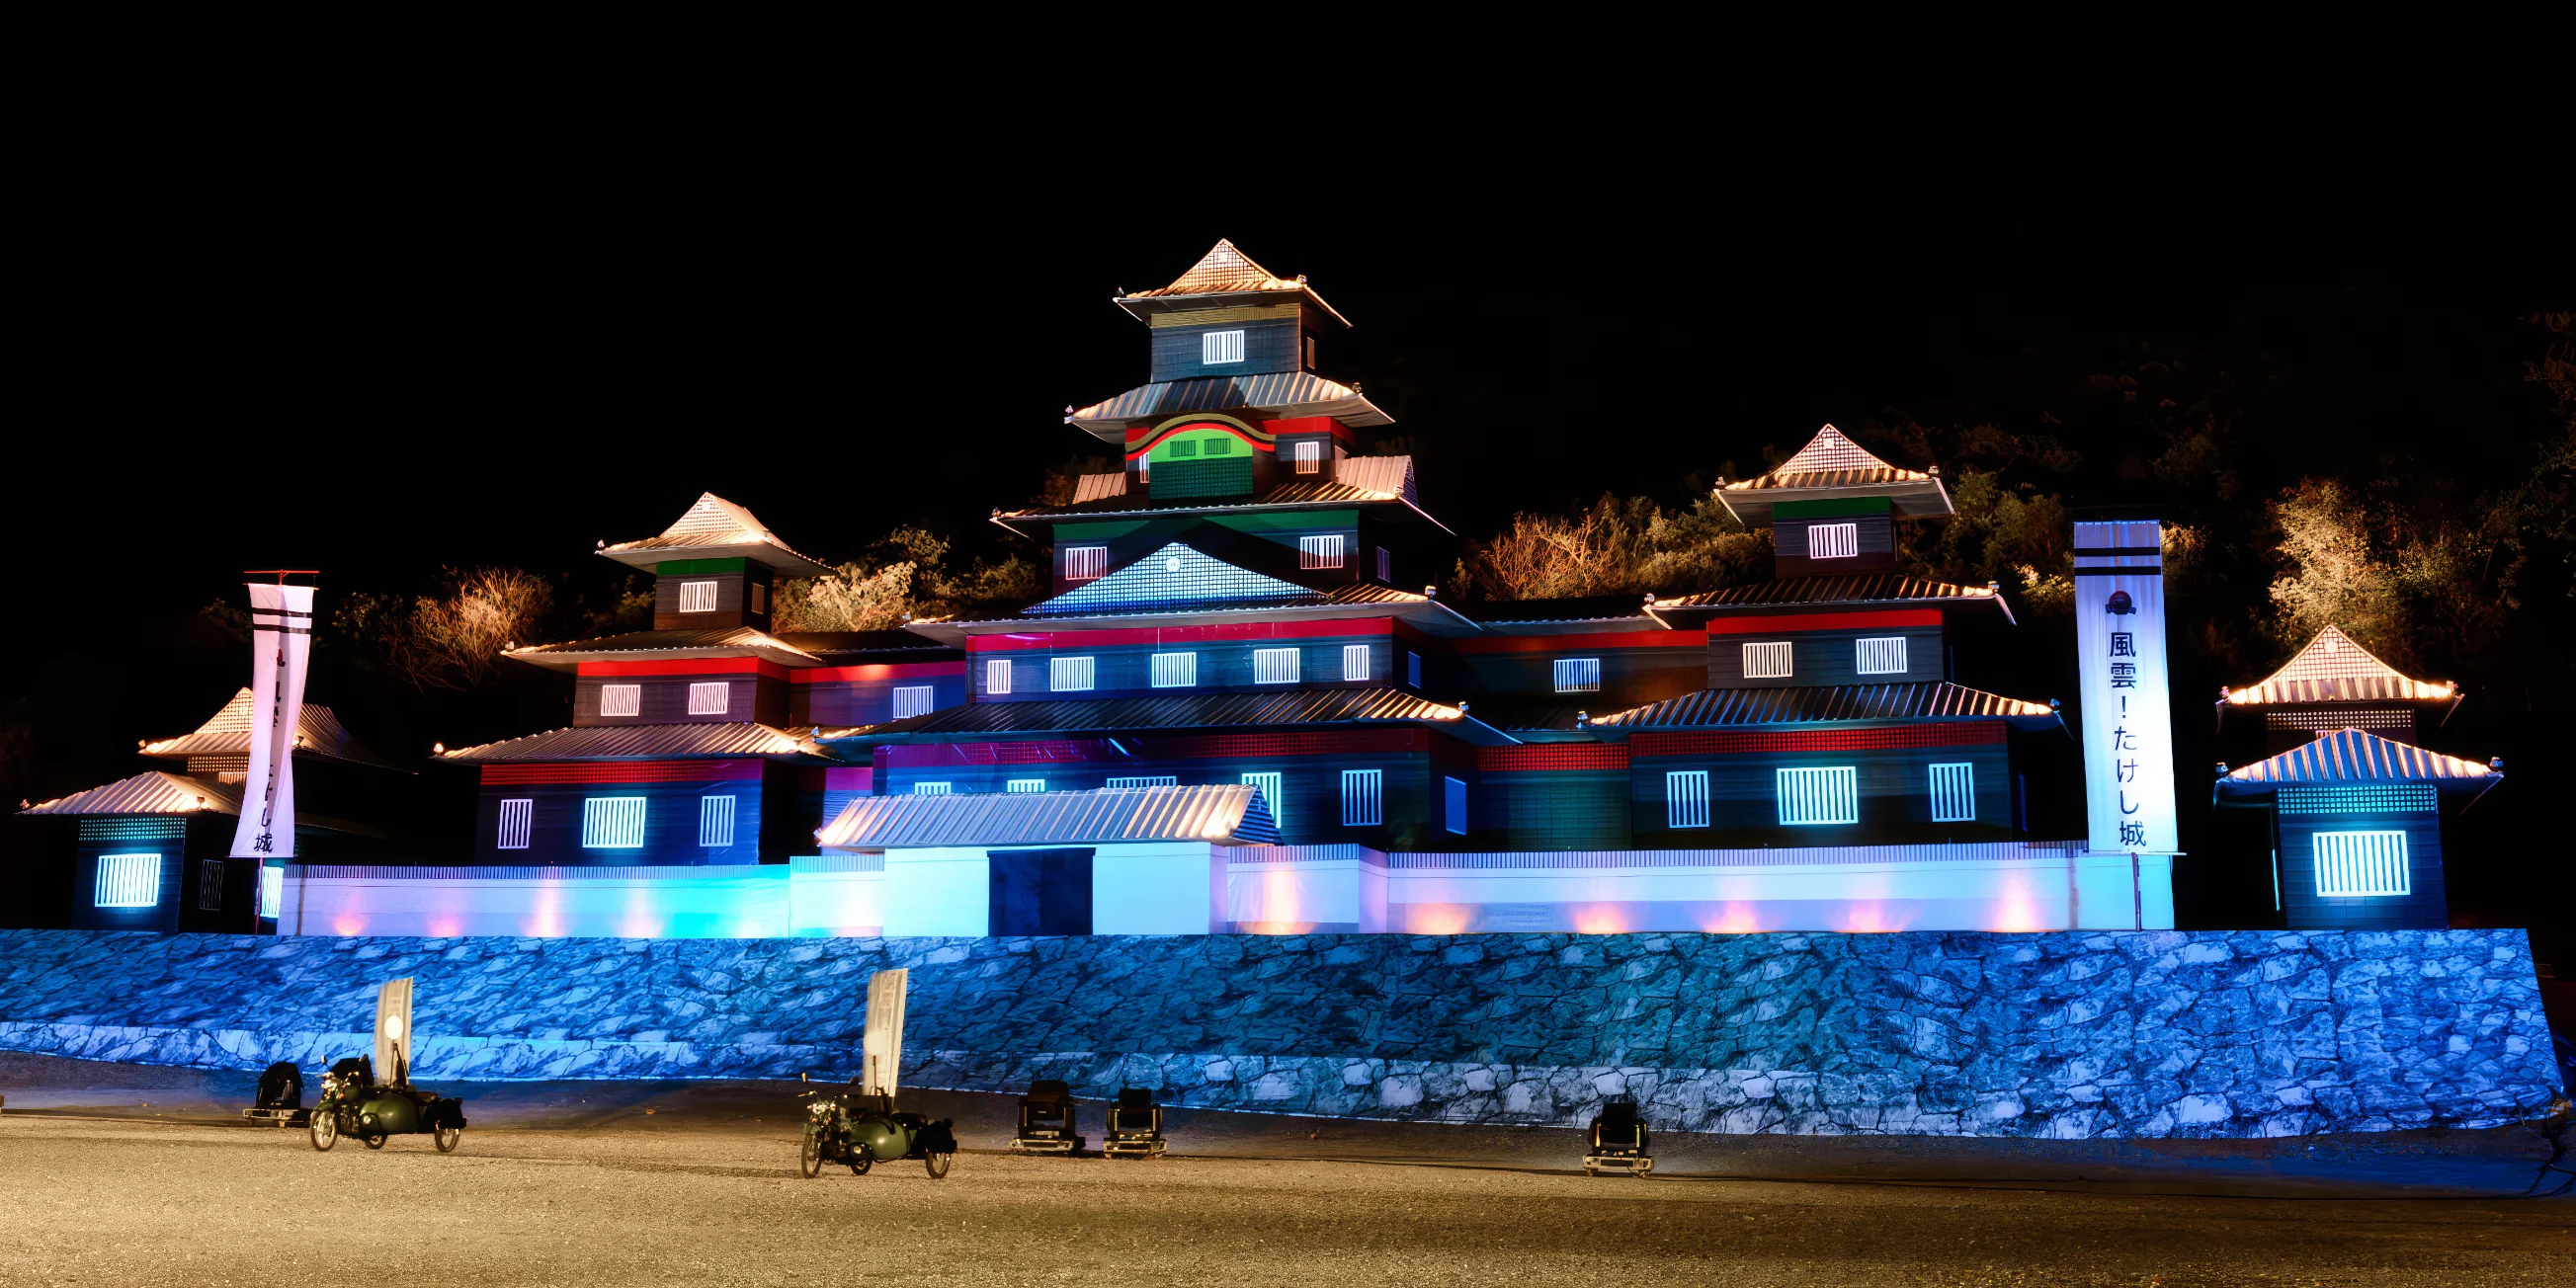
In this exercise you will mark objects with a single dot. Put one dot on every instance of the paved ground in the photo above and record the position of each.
(131, 1176)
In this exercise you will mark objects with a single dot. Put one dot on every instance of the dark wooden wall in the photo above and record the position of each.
(670, 824)
(1877, 536)
(2425, 906)
(1224, 666)
(665, 699)
(1895, 798)
(733, 599)
(1826, 657)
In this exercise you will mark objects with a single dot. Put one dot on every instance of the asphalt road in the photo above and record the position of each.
(685, 1198)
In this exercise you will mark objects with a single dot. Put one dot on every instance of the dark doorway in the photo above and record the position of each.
(1041, 892)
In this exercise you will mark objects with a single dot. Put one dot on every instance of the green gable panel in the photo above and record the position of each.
(1097, 531)
(1293, 520)
(694, 567)
(1833, 507)
(1187, 480)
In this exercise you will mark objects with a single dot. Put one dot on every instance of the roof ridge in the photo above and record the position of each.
(1830, 450)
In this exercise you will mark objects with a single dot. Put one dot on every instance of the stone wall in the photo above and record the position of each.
(2058, 1035)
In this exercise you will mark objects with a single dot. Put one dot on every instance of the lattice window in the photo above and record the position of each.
(1145, 780)
(1024, 786)
(1833, 540)
(1355, 661)
(2361, 865)
(1217, 347)
(1686, 798)
(713, 698)
(1815, 797)
(210, 885)
(930, 789)
(1320, 552)
(621, 700)
(1767, 661)
(518, 818)
(1578, 675)
(1083, 563)
(715, 821)
(1068, 674)
(1453, 794)
(128, 881)
(697, 597)
(1954, 793)
(272, 891)
(1274, 666)
(612, 822)
(997, 676)
(1310, 458)
(914, 700)
(1362, 793)
(1884, 656)
(1175, 670)
(1268, 785)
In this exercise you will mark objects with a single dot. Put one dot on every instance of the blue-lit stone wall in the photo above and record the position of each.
(2060, 1035)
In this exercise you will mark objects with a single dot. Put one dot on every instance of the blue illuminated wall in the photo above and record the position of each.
(2147, 1034)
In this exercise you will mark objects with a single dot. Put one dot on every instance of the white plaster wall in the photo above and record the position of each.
(682, 903)
(947, 891)
(837, 903)
(1157, 889)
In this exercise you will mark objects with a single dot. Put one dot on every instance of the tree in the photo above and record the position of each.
(450, 640)
(1618, 546)
(902, 577)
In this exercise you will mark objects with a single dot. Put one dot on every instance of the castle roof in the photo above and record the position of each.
(1833, 590)
(156, 791)
(1832, 466)
(704, 740)
(1279, 395)
(1359, 480)
(654, 646)
(1813, 704)
(2352, 757)
(1227, 814)
(715, 528)
(1224, 270)
(318, 736)
(1282, 708)
(2334, 669)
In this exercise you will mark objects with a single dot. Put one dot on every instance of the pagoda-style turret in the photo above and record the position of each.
(1832, 507)
(715, 567)
(2334, 683)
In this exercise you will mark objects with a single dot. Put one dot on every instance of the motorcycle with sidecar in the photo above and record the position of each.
(860, 1129)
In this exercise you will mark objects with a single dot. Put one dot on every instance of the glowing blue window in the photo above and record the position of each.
(272, 890)
(128, 881)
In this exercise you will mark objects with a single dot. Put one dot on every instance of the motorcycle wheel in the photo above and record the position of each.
(445, 1138)
(810, 1159)
(325, 1130)
(937, 1165)
(374, 1142)
(862, 1161)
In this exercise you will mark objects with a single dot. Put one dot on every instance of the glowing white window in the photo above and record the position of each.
(715, 821)
(127, 881)
(1766, 661)
(1833, 540)
(1145, 780)
(1220, 346)
(1068, 674)
(1310, 458)
(1083, 563)
(930, 789)
(1879, 656)
(1175, 670)
(272, 890)
(1268, 785)
(710, 699)
(621, 699)
(518, 818)
(997, 675)
(1578, 675)
(1362, 790)
(1320, 552)
(913, 700)
(1453, 800)
(1024, 786)
(1355, 661)
(210, 885)
(2361, 865)
(1274, 666)
(1954, 793)
(1814, 797)
(1686, 798)
(612, 822)
(697, 597)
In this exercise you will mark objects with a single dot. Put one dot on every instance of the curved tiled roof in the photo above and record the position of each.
(1288, 393)
(1836, 588)
(714, 641)
(157, 791)
(1921, 700)
(318, 733)
(712, 528)
(1182, 711)
(1223, 814)
(2334, 669)
(1829, 460)
(2353, 757)
(708, 740)
(1362, 480)
(1223, 270)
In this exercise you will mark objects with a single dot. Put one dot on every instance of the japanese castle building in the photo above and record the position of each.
(1239, 708)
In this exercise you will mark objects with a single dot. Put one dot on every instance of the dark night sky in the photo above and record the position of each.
(431, 373)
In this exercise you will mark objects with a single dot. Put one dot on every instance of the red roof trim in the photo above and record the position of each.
(622, 771)
(875, 671)
(1583, 643)
(687, 666)
(1960, 734)
(1825, 621)
(1326, 629)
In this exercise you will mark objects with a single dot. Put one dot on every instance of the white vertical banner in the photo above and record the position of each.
(393, 1032)
(2128, 724)
(881, 1043)
(281, 636)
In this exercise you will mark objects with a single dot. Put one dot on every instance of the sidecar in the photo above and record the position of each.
(1047, 1121)
(353, 1103)
(279, 1101)
(859, 1129)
